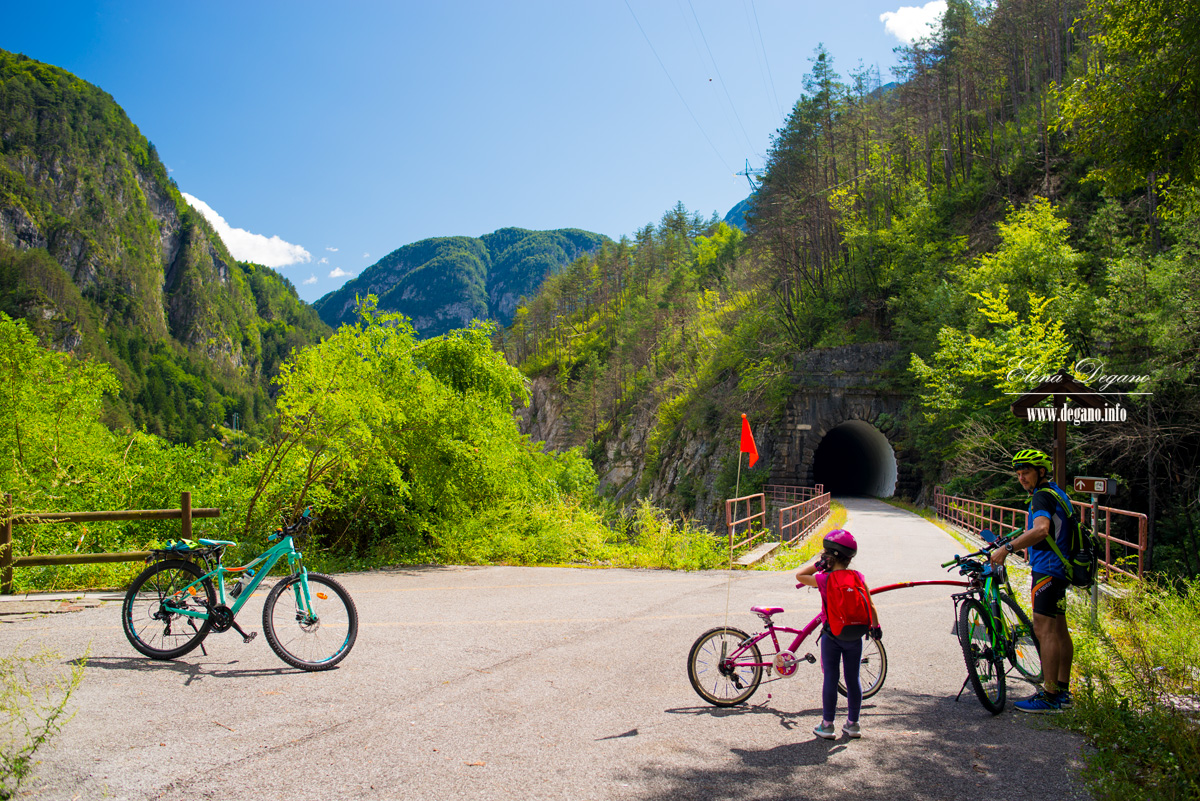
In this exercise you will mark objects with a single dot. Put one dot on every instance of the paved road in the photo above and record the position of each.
(544, 683)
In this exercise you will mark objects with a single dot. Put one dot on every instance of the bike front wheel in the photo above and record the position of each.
(313, 636)
(1024, 650)
(872, 668)
(716, 676)
(985, 665)
(149, 614)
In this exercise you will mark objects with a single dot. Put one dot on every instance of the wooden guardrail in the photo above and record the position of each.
(974, 516)
(185, 513)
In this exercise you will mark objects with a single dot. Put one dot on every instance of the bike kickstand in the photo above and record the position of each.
(960, 689)
(245, 637)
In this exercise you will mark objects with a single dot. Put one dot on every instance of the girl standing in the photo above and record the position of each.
(849, 616)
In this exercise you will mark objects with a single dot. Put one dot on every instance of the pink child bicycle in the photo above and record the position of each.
(726, 665)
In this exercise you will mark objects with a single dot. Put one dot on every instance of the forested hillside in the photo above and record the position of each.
(1025, 196)
(446, 282)
(102, 257)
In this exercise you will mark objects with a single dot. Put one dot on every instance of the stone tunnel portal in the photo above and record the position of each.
(855, 458)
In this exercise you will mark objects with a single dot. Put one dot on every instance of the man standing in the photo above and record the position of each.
(1047, 516)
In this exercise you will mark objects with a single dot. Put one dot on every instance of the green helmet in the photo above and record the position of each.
(1032, 457)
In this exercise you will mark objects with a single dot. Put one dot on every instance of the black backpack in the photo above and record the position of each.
(1082, 559)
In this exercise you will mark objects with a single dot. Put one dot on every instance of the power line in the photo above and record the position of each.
(676, 88)
(767, 62)
(721, 78)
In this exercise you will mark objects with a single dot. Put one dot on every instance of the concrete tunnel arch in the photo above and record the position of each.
(855, 458)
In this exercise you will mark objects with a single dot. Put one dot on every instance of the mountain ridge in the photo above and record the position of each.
(442, 283)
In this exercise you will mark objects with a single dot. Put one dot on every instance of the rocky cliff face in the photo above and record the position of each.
(102, 256)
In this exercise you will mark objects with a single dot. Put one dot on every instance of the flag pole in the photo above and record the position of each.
(737, 492)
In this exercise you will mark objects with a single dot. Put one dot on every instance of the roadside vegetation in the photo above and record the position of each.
(34, 697)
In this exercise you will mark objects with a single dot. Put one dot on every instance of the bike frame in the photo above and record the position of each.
(802, 634)
(265, 561)
(986, 589)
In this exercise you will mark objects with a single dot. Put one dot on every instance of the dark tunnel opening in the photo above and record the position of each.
(855, 458)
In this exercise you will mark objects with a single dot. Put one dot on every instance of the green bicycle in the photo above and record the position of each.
(992, 628)
(309, 619)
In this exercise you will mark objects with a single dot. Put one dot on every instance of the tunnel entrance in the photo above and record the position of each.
(855, 458)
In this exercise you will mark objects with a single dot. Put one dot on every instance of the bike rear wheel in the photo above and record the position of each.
(985, 667)
(316, 640)
(872, 669)
(1024, 650)
(715, 677)
(151, 625)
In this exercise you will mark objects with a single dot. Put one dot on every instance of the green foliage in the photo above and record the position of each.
(1133, 106)
(971, 372)
(657, 541)
(33, 708)
(1138, 694)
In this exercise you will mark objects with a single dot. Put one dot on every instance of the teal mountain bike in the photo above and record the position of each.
(992, 629)
(309, 619)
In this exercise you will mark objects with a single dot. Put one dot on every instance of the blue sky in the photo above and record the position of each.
(327, 135)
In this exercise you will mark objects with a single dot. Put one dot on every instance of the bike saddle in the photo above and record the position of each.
(215, 543)
(766, 611)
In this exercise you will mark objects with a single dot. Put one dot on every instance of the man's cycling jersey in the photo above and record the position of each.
(1056, 507)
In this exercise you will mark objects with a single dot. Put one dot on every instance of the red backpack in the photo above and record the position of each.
(847, 600)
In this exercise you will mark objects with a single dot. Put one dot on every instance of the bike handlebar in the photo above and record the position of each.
(985, 550)
(299, 525)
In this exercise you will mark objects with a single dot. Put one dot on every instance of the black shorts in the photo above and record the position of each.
(1049, 595)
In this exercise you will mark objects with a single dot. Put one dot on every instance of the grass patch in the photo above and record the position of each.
(33, 703)
(1137, 690)
(796, 556)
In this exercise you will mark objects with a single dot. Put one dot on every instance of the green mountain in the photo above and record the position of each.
(445, 282)
(102, 256)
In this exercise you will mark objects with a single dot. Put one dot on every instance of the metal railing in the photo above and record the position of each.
(732, 522)
(1111, 526)
(799, 520)
(185, 513)
(780, 494)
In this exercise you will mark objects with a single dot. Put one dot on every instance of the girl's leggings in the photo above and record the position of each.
(834, 651)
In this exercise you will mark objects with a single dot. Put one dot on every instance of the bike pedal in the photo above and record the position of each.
(810, 659)
(249, 637)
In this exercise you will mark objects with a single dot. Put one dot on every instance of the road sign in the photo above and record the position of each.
(1095, 486)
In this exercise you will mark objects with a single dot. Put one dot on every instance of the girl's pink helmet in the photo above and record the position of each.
(842, 543)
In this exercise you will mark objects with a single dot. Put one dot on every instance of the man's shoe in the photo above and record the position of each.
(1064, 700)
(823, 730)
(1040, 704)
(852, 730)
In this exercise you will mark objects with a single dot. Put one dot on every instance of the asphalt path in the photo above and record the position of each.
(544, 683)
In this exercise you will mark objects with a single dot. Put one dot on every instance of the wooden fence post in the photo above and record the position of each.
(6, 571)
(185, 506)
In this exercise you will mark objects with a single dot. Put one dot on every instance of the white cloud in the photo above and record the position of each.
(322, 260)
(245, 246)
(910, 23)
(332, 250)
(338, 272)
(366, 255)
(312, 279)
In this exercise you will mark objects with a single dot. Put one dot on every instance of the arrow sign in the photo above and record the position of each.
(1095, 486)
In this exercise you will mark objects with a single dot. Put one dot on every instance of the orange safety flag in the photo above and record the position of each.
(748, 445)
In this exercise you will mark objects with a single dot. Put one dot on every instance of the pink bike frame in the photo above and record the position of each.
(802, 634)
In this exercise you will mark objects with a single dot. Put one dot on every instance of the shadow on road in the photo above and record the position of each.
(913, 746)
(191, 672)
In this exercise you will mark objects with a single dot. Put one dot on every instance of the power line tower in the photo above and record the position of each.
(749, 173)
